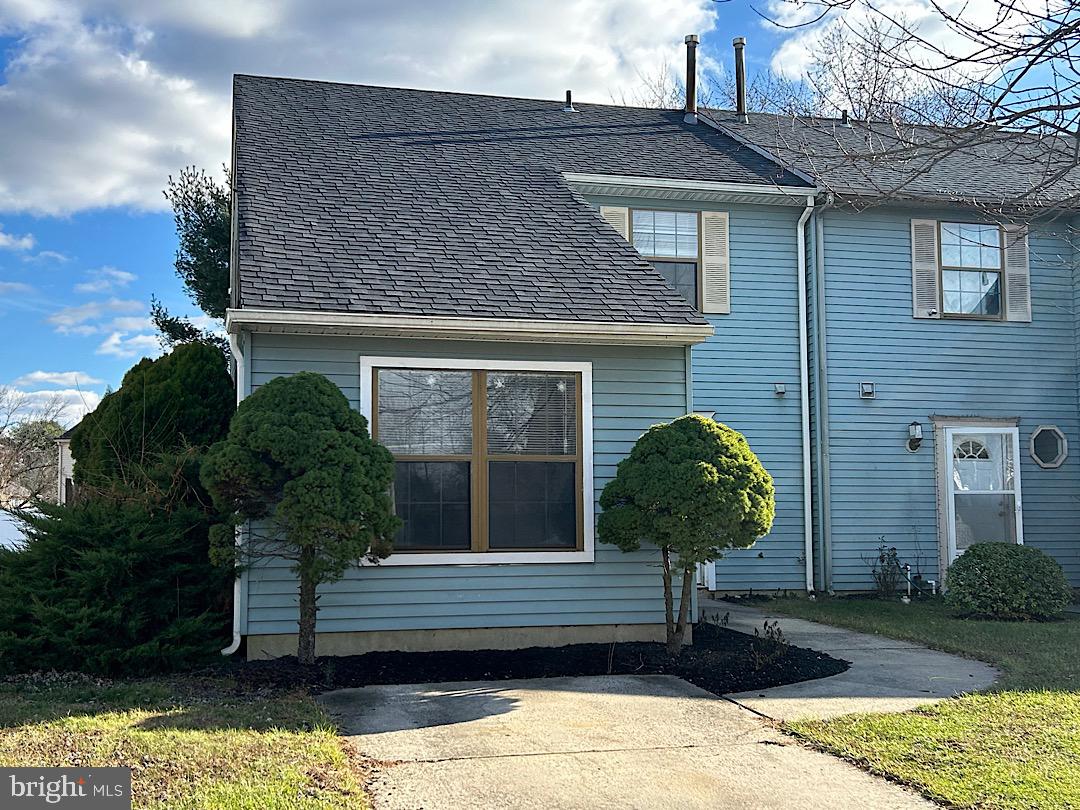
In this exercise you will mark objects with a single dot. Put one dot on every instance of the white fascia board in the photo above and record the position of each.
(452, 328)
(701, 190)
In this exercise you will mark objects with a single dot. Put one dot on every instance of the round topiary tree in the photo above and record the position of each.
(301, 461)
(1006, 581)
(693, 488)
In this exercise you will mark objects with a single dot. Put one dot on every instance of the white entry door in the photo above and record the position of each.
(983, 487)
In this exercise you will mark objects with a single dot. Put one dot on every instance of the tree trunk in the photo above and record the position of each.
(688, 578)
(673, 642)
(305, 648)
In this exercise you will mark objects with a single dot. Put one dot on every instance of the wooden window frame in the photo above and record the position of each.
(698, 259)
(942, 267)
(480, 553)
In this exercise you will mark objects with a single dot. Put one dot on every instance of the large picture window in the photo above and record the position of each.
(488, 460)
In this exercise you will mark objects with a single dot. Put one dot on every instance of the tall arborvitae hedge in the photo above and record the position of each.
(120, 581)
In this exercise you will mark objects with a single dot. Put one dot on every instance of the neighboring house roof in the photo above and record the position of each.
(883, 159)
(410, 202)
(67, 434)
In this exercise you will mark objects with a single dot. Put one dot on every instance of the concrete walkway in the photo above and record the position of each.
(886, 675)
(591, 743)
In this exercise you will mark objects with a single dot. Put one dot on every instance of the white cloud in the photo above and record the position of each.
(119, 345)
(98, 114)
(14, 287)
(80, 320)
(70, 379)
(105, 278)
(924, 17)
(47, 256)
(131, 323)
(9, 241)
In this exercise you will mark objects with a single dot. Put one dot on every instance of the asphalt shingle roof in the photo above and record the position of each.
(382, 200)
(882, 159)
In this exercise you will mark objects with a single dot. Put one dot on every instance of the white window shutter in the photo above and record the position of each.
(715, 264)
(618, 218)
(925, 295)
(1017, 274)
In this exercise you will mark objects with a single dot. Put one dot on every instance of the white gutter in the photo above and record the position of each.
(804, 395)
(241, 389)
(315, 322)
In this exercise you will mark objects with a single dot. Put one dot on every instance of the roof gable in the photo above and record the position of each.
(371, 199)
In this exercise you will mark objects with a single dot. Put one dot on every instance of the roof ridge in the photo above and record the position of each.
(560, 100)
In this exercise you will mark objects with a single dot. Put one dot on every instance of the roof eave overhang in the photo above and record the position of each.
(1032, 207)
(362, 324)
(663, 188)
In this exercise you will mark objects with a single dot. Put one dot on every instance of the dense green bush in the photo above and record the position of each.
(162, 407)
(1006, 581)
(112, 588)
(120, 581)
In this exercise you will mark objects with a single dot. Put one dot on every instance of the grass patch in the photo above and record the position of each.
(1015, 746)
(191, 743)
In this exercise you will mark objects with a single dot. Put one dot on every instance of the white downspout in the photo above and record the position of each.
(804, 395)
(241, 390)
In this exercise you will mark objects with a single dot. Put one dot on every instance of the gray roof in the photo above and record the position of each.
(382, 200)
(883, 159)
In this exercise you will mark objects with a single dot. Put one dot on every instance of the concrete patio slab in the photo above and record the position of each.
(595, 742)
(886, 675)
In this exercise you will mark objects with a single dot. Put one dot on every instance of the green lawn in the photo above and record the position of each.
(1015, 746)
(192, 743)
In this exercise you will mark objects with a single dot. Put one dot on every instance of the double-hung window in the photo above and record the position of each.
(971, 270)
(490, 459)
(669, 240)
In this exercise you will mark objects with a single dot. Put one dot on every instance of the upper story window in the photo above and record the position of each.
(669, 240)
(971, 270)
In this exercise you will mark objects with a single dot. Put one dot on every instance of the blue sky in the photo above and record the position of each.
(101, 100)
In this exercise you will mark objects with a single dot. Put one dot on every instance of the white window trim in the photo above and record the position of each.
(975, 427)
(587, 554)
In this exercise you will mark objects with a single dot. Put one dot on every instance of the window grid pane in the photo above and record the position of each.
(432, 499)
(425, 412)
(971, 292)
(970, 245)
(532, 504)
(666, 233)
(531, 413)
(682, 276)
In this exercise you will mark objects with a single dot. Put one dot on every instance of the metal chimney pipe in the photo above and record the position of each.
(740, 79)
(569, 103)
(691, 41)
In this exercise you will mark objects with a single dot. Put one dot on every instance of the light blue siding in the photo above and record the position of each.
(942, 367)
(734, 371)
(754, 347)
(633, 388)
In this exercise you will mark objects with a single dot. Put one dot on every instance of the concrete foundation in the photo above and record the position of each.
(473, 638)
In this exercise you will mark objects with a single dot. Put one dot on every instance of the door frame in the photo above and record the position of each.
(1011, 431)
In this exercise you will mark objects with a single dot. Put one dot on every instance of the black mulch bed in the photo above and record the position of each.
(720, 661)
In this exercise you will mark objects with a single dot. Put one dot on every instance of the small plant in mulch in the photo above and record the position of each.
(771, 646)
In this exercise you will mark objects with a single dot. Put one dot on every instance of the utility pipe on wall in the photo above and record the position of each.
(241, 390)
(804, 394)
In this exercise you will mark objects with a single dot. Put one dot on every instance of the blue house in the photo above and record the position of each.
(513, 290)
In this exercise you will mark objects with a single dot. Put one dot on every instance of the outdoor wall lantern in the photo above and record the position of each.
(914, 437)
